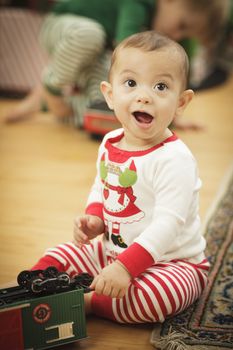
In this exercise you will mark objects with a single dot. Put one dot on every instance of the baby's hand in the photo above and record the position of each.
(112, 281)
(87, 227)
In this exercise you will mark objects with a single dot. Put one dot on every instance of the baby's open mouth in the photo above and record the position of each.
(143, 117)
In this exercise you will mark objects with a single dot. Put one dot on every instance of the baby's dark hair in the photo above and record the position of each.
(152, 41)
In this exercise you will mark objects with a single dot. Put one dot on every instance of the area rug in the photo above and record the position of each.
(208, 324)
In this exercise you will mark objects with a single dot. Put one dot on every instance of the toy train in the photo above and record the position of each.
(99, 120)
(45, 309)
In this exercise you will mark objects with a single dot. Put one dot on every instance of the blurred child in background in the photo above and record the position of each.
(78, 35)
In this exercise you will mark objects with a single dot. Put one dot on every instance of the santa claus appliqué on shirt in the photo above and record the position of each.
(118, 197)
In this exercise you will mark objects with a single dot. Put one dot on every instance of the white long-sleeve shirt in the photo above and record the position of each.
(150, 199)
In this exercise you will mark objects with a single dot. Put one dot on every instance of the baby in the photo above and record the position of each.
(140, 236)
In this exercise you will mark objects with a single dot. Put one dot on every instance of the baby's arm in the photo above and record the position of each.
(91, 224)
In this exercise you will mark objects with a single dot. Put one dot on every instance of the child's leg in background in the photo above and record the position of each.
(74, 44)
(91, 95)
(98, 73)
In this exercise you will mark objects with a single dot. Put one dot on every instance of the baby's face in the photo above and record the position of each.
(178, 22)
(146, 88)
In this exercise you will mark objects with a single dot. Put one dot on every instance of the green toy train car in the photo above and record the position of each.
(45, 310)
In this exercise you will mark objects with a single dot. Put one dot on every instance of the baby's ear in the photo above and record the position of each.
(184, 100)
(106, 89)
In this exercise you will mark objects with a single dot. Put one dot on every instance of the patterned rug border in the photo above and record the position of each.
(166, 336)
(220, 194)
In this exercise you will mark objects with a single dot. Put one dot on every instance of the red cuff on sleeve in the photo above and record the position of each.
(136, 259)
(95, 209)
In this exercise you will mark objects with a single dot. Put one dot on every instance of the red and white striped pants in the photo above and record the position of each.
(166, 288)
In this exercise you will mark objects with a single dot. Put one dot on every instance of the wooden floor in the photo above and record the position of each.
(46, 170)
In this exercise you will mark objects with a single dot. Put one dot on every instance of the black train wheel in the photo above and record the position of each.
(36, 285)
(51, 271)
(64, 279)
(83, 280)
(86, 279)
(24, 277)
(2, 302)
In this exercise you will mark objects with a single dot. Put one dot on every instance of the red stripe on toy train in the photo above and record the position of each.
(11, 330)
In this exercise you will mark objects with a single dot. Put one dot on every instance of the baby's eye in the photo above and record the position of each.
(130, 83)
(160, 87)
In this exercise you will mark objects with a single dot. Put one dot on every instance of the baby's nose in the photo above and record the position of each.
(144, 98)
